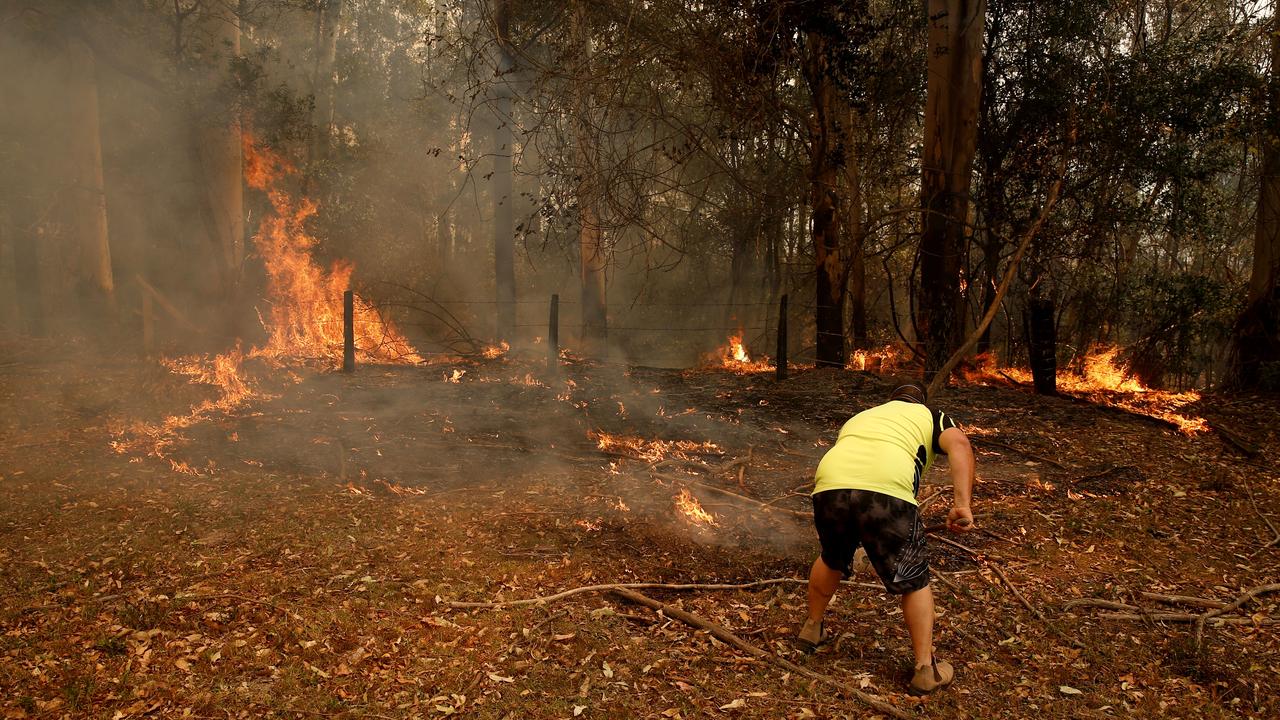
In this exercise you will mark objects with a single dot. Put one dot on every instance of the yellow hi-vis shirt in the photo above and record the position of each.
(885, 449)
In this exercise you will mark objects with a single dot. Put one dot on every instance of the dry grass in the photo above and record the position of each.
(295, 581)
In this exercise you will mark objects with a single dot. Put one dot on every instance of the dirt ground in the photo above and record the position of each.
(306, 570)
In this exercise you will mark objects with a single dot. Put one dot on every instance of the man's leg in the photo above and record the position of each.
(823, 582)
(917, 608)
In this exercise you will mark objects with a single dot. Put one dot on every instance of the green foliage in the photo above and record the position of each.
(1177, 322)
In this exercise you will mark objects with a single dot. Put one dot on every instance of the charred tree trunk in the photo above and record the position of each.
(1042, 345)
(591, 244)
(950, 135)
(88, 198)
(503, 212)
(826, 162)
(1255, 351)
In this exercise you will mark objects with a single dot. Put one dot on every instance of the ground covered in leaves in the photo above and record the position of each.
(306, 568)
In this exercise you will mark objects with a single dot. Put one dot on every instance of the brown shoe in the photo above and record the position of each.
(929, 678)
(812, 635)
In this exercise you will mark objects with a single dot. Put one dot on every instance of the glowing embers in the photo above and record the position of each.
(305, 320)
(734, 356)
(493, 352)
(689, 507)
(652, 451)
(1099, 379)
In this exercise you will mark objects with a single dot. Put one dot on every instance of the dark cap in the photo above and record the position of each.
(910, 392)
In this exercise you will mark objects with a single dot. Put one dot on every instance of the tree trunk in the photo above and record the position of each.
(88, 198)
(1042, 345)
(828, 155)
(591, 244)
(950, 136)
(503, 212)
(324, 84)
(855, 239)
(1255, 351)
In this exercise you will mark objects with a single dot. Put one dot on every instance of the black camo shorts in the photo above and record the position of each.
(889, 529)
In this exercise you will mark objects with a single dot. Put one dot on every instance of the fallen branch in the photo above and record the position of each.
(1017, 593)
(1183, 600)
(1099, 603)
(1025, 453)
(1274, 532)
(607, 587)
(1188, 618)
(1234, 439)
(720, 633)
(940, 378)
(1233, 605)
(750, 501)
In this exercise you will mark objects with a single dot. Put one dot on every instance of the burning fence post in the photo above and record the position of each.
(348, 331)
(782, 338)
(553, 335)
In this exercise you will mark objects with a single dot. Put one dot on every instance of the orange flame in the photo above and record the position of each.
(734, 356)
(494, 352)
(305, 320)
(651, 450)
(884, 360)
(689, 506)
(1099, 379)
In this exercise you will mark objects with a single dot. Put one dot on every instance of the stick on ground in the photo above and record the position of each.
(720, 633)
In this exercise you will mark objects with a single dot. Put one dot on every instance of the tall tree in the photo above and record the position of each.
(828, 158)
(88, 193)
(1255, 351)
(592, 252)
(324, 81)
(950, 136)
(503, 141)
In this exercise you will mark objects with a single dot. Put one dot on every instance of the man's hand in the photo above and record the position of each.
(960, 520)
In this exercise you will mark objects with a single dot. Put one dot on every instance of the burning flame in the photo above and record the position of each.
(689, 506)
(1099, 379)
(734, 356)
(884, 360)
(305, 320)
(651, 450)
(493, 352)
(455, 376)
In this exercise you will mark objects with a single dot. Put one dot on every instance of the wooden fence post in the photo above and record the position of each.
(148, 324)
(553, 335)
(782, 338)
(348, 331)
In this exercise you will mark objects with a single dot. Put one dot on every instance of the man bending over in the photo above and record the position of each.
(865, 495)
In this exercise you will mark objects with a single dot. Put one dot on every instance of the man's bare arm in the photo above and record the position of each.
(960, 458)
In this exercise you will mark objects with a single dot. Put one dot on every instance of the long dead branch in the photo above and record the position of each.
(1183, 600)
(944, 373)
(1187, 618)
(607, 587)
(1233, 605)
(724, 635)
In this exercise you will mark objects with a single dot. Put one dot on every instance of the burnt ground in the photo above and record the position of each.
(305, 572)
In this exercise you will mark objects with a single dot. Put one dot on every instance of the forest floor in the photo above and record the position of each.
(307, 569)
